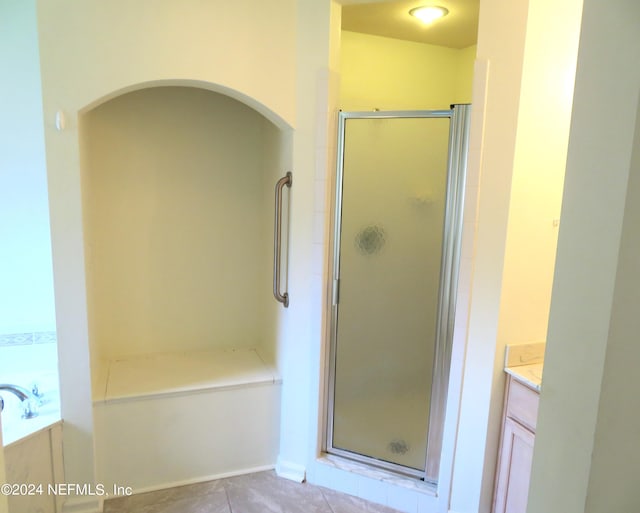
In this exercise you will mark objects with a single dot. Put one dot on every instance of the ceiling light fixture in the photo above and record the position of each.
(428, 13)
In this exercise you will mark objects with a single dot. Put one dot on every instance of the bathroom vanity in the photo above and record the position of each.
(522, 394)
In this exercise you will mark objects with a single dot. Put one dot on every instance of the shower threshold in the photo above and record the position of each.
(379, 474)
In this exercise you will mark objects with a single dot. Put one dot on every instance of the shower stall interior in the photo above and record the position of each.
(399, 195)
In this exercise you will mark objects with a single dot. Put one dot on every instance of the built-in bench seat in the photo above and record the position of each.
(166, 419)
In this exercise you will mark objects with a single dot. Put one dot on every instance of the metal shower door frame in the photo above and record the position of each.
(449, 268)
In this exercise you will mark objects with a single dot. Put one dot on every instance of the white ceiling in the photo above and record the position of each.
(459, 29)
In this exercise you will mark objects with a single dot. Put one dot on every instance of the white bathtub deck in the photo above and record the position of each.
(175, 373)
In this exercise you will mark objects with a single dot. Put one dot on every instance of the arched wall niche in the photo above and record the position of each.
(177, 182)
(248, 100)
(116, 47)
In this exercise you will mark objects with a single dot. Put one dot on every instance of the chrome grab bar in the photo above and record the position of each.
(277, 240)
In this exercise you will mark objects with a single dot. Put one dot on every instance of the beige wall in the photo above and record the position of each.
(390, 74)
(613, 484)
(108, 47)
(177, 186)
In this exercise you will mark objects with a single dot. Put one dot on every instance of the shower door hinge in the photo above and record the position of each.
(336, 292)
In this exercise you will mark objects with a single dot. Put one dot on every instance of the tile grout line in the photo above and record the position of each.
(326, 500)
(226, 493)
(227, 484)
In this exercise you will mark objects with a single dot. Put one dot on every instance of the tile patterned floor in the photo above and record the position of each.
(263, 492)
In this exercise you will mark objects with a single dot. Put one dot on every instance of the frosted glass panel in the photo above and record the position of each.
(393, 201)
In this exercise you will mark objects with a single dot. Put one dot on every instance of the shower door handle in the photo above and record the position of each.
(277, 241)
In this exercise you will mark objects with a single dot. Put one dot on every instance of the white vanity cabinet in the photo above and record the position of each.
(516, 448)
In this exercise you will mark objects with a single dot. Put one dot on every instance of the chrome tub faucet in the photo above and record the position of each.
(28, 400)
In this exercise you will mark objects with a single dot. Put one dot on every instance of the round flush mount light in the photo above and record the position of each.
(428, 13)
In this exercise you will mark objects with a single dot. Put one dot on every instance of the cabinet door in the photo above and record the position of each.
(514, 469)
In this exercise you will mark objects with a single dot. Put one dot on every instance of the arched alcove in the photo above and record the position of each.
(191, 84)
(177, 199)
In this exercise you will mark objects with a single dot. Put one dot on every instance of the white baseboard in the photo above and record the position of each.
(202, 479)
(76, 507)
(290, 470)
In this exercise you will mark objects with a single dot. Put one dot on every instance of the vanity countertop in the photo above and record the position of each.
(524, 362)
(529, 375)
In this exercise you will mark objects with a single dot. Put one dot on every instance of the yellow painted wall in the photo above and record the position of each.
(464, 78)
(538, 174)
(390, 74)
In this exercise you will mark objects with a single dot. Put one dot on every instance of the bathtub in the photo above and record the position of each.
(29, 365)
(14, 426)
(32, 447)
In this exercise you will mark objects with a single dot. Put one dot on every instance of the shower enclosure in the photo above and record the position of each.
(398, 223)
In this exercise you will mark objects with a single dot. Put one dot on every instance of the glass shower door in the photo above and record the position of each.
(392, 291)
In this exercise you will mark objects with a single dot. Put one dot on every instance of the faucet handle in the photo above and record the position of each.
(35, 390)
(30, 408)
